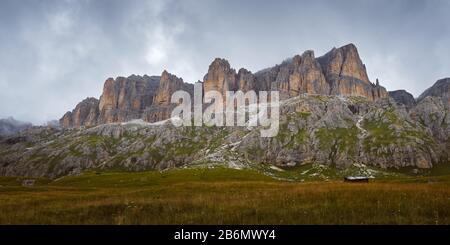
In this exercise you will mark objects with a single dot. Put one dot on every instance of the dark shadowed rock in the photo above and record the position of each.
(246, 80)
(124, 99)
(440, 89)
(84, 114)
(402, 97)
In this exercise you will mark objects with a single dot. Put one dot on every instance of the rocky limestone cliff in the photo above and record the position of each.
(347, 75)
(85, 114)
(161, 108)
(402, 97)
(344, 62)
(124, 99)
(339, 72)
(307, 76)
(301, 74)
(220, 77)
(167, 86)
(246, 81)
(440, 89)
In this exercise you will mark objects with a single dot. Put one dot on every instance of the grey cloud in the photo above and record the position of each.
(54, 53)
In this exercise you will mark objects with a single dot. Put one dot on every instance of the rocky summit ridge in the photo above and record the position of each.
(338, 72)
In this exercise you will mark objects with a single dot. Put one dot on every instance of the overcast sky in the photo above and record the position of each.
(53, 54)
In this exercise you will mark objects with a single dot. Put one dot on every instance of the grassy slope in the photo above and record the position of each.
(222, 196)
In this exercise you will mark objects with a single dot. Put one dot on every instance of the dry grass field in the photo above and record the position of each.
(222, 196)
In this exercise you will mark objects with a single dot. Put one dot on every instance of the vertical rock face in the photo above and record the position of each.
(344, 62)
(162, 107)
(378, 91)
(108, 100)
(246, 80)
(440, 89)
(402, 97)
(339, 72)
(167, 86)
(220, 77)
(347, 75)
(84, 114)
(124, 99)
(307, 76)
(301, 74)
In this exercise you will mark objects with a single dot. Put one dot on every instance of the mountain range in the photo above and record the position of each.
(331, 114)
(339, 72)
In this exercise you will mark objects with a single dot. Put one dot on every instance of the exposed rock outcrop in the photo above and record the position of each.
(307, 76)
(301, 74)
(167, 86)
(246, 81)
(434, 114)
(162, 107)
(339, 72)
(347, 75)
(84, 114)
(440, 89)
(326, 130)
(402, 97)
(220, 77)
(124, 99)
(344, 62)
(333, 131)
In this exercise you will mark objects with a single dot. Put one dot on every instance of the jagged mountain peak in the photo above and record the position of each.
(338, 72)
(220, 62)
(169, 84)
(344, 62)
(440, 89)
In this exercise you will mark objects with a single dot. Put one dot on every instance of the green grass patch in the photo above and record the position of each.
(338, 140)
